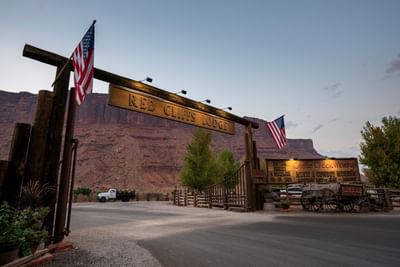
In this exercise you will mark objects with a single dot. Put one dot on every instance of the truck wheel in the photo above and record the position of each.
(102, 199)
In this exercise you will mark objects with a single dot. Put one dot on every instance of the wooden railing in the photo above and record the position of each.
(394, 196)
(231, 192)
(190, 199)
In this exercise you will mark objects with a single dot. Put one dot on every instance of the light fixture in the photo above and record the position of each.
(228, 108)
(148, 79)
(208, 101)
(183, 92)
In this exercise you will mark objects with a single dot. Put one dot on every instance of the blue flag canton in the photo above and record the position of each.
(88, 41)
(280, 123)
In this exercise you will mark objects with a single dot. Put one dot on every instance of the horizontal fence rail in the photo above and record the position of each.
(394, 196)
(230, 193)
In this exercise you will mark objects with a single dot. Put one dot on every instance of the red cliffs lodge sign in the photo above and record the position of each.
(126, 98)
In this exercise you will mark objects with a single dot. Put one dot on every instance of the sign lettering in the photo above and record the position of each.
(313, 171)
(137, 101)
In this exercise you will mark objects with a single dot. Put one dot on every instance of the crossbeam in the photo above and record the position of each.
(57, 60)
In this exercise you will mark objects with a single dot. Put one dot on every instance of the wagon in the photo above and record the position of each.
(339, 197)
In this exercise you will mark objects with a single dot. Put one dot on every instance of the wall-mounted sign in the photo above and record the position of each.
(312, 170)
(134, 100)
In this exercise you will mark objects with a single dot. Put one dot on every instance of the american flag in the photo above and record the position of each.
(277, 129)
(83, 63)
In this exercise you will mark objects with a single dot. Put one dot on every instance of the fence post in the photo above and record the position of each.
(209, 198)
(388, 201)
(185, 199)
(249, 187)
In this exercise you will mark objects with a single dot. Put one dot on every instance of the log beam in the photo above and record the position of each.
(57, 60)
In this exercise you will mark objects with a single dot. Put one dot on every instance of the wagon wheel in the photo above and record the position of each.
(364, 205)
(330, 204)
(316, 204)
(329, 200)
(305, 203)
(376, 204)
(346, 205)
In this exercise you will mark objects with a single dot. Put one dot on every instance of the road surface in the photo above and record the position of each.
(158, 233)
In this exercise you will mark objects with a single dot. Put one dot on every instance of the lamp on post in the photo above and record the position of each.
(183, 92)
(148, 79)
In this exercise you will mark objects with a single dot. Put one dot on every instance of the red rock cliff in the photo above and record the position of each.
(126, 149)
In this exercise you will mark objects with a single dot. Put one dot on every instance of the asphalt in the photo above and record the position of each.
(160, 234)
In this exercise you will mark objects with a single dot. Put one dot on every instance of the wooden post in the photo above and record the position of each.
(255, 158)
(249, 203)
(38, 143)
(249, 169)
(4, 177)
(19, 146)
(57, 60)
(185, 199)
(388, 202)
(54, 139)
(17, 158)
(209, 198)
(59, 230)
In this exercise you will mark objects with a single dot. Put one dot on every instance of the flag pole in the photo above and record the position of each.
(61, 71)
(66, 63)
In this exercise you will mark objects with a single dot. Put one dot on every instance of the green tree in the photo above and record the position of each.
(226, 165)
(199, 169)
(380, 152)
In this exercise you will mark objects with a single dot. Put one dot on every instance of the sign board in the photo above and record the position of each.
(347, 190)
(126, 98)
(312, 170)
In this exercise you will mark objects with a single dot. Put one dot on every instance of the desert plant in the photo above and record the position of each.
(81, 191)
(33, 193)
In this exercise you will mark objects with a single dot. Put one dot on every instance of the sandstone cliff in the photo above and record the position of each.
(126, 149)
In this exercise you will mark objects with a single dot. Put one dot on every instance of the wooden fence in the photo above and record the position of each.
(394, 196)
(232, 192)
(191, 199)
(228, 194)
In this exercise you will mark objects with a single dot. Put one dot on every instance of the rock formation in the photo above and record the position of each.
(126, 149)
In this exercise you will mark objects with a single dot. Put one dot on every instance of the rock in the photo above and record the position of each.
(130, 150)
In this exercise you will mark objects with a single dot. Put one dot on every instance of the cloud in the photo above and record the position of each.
(290, 124)
(333, 120)
(317, 128)
(394, 66)
(333, 89)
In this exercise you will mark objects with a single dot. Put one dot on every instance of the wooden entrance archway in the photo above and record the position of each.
(58, 113)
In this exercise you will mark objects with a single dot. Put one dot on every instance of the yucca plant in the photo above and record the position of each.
(33, 193)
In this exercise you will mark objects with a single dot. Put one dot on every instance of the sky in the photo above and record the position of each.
(328, 66)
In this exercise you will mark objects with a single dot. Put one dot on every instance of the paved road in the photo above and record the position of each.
(153, 234)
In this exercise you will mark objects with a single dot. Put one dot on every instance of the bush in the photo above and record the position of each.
(84, 191)
(22, 227)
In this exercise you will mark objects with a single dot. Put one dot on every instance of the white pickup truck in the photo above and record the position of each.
(115, 194)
